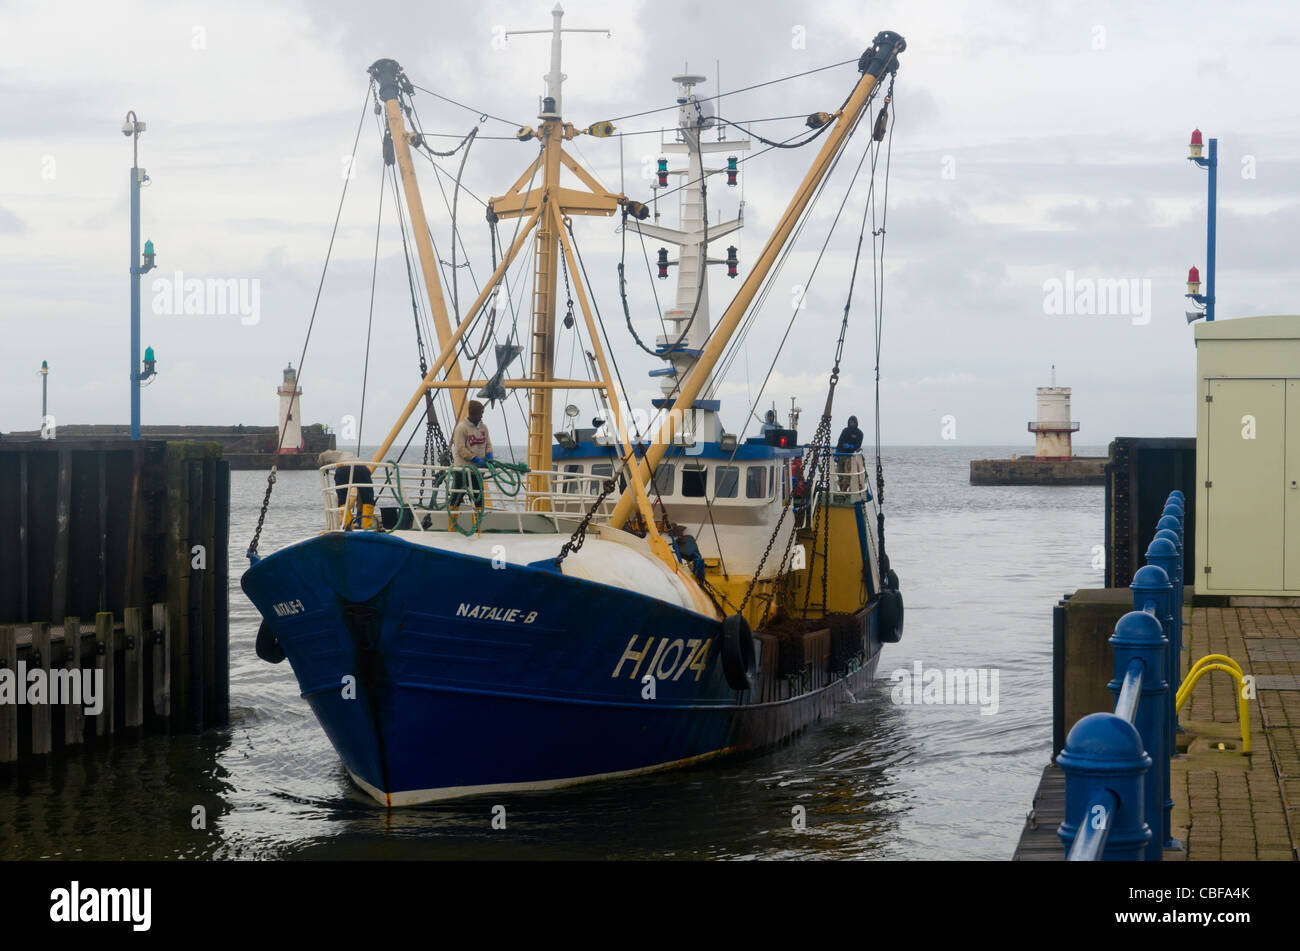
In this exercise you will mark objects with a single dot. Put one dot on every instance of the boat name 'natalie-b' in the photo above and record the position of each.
(489, 612)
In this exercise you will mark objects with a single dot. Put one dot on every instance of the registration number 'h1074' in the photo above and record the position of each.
(668, 661)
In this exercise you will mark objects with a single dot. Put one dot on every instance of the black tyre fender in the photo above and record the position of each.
(737, 652)
(889, 616)
(267, 647)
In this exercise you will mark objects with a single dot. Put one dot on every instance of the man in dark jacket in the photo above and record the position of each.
(688, 551)
(850, 440)
(846, 448)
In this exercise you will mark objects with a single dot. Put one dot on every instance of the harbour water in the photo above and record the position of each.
(981, 568)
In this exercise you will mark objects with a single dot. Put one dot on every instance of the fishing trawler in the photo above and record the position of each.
(630, 597)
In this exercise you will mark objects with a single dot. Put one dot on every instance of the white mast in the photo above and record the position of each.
(555, 78)
(693, 118)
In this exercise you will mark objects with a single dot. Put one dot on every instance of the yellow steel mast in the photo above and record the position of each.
(386, 73)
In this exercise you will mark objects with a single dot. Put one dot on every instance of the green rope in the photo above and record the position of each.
(508, 477)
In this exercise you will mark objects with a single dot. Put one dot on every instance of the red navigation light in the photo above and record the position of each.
(1193, 281)
(732, 261)
(732, 170)
(663, 172)
(1195, 146)
(663, 262)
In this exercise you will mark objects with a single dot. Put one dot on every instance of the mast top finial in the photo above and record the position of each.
(552, 105)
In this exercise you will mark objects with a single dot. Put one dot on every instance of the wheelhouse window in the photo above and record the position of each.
(572, 485)
(664, 473)
(728, 482)
(695, 480)
(756, 482)
(603, 471)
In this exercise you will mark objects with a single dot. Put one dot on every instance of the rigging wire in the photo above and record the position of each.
(311, 323)
(435, 442)
(482, 115)
(615, 135)
(878, 301)
(370, 317)
(455, 203)
(789, 245)
(703, 252)
(734, 92)
(770, 282)
(600, 321)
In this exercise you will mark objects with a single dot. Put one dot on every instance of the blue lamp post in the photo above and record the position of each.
(133, 127)
(1211, 164)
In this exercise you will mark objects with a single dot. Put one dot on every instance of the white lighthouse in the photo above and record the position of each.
(289, 428)
(1053, 428)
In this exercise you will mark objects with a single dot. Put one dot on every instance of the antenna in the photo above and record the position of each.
(555, 78)
(717, 100)
(1053, 374)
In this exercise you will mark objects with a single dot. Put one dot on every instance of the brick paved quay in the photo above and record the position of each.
(1227, 806)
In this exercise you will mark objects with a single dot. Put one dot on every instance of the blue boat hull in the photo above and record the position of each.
(437, 675)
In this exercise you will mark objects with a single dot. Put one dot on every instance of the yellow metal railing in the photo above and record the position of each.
(1213, 662)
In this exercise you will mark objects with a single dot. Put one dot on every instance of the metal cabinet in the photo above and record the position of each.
(1248, 457)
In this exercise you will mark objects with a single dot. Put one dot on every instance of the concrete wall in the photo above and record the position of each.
(1028, 471)
(244, 447)
(1088, 658)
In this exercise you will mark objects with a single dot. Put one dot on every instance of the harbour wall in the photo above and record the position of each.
(113, 556)
(1081, 470)
(242, 447)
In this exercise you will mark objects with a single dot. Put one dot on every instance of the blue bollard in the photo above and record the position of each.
(1173, 521)
(1104, 752)
(1175, 673)
(1152, 590)
(1175, 524)
(1138, 636)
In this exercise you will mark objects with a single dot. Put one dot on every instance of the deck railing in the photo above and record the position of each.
(418, 495)
(1116, 765)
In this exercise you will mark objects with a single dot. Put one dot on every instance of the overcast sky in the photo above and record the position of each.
(1033, 142)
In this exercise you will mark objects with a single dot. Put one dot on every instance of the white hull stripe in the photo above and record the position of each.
(414, 797)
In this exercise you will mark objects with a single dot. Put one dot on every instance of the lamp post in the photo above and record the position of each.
(132, 127)
(45, 391)
(1210, 164)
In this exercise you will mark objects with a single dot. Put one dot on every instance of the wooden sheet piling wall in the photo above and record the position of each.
(130, 538)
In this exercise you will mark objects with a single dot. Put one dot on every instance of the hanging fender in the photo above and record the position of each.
(737, 652)
(889, 612)
(267, 647)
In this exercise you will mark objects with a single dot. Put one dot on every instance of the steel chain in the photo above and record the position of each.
(580, 533)
(261, 516)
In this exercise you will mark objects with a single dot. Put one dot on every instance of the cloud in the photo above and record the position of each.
(1025, 145)
(11, 223)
